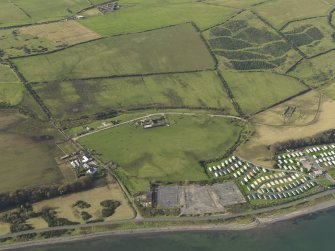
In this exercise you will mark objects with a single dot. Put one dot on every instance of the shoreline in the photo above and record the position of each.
(258, 222)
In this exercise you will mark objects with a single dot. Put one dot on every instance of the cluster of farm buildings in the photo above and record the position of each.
(85, 163)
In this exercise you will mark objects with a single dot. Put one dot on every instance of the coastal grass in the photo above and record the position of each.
(316, 71)
(27, 158)
(169, 153)
(72, 99)
(65, 208)
(255, 91)
(258, 148)
(305, 111)
(174, 49)
(280, 12)
(138, 16)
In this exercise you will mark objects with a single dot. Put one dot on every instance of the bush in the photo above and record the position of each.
(106, 212)
(82, 204)
(110, 203)
(85, 216)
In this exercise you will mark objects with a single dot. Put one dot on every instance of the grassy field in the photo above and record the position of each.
(36, 39)
(257, 148)
(306, 108)
(316, 71)
(77, 98)
(177, 48)
(257, 90)
(234, 3)
(27, 160)
(311, 36)
(137, 15)
(11, 15)
(279, 12)
(65, 209)
(164, 153)
(247, 43)
(18, 12)
(329, 90)
(7, 75)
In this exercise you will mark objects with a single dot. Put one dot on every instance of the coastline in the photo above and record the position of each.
(258, 222)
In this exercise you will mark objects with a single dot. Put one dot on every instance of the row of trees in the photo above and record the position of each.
(20, 197)
(327, 137)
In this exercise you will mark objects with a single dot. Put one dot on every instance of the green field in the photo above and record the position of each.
(247, 43)
(137, 15)
(177, 48)
(316, 71)
(329, 90)
(280, 12)
(234, 3)
(257, 90)
(311, 36)
(76, 98)
(22, 11)
(11, 91)
(27, 159)
(164, 153)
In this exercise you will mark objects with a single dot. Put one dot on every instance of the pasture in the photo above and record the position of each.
(257, 148)
(27, 156)
(329, 90)
(247, 43)
(280, 12)
(64, 32)
(255, 91)
(174, 49)
(316, 71)
(7, 75)
(311, 36)
(18, 12)
(138, 16)
(169, 153)
(73, 99)
(37, 39)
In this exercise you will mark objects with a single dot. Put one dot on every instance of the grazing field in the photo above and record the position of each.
(234, 3)
(36, 39)
(27, 155)
(298, 111)
(329, 90)
(65, 209)
(169, 153)
(65, 32)
(137, 16)
(11, 93)
(76, 98)
(11, 15)
(41, 10)
(178, 48)
(316, 71)
(18, 12)
(311, 36)
(247, 43)
(7, 75)
(255, 91)
(257, 148)
(280, 12)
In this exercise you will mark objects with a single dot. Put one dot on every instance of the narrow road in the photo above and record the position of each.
(155, 114)
(181, 219)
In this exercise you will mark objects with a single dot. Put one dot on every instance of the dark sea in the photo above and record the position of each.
(315, 232)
